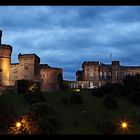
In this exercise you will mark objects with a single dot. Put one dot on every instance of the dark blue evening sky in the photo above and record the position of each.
(65, 36)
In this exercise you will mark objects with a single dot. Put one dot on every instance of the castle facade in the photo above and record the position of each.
(95, 74)
(28, 68)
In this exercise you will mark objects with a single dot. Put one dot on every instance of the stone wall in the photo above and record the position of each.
(97, 74)
(5, 62)
(49, 79)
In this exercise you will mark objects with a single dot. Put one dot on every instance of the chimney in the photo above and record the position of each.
(0, 36)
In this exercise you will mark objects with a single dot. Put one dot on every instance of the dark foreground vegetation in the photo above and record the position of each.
(95, 111)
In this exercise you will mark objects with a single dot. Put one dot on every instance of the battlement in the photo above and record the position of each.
(29, 56)
(5, 47)
(0, 36)
(88, 63)
(115, 62)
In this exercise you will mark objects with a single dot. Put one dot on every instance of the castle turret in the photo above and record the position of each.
(0, 36)
(28, 66)
(115, 71)
(90, 70)
(5, 62)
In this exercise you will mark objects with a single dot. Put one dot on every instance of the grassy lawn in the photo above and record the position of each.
(80, 119)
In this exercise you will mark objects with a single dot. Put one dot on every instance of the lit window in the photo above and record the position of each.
(109, 75)
(91, 73)
(101, 75)
(125, 73)
(105, 75)
(116, 73)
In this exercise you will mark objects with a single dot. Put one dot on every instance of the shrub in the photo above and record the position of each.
(106, 88)
(110, 102)
(117, 89)
(76, 98)
(132, 83)
(27, 86)
(38, 119)
(22, 86)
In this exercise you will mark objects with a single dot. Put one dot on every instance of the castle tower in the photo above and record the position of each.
(115, 71)
(5, 62)
(28, 66)
(0, 36)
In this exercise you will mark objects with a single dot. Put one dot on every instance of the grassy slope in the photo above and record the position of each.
(76, 121)
(73, 119)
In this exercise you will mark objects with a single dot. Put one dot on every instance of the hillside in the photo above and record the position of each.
(82, 118)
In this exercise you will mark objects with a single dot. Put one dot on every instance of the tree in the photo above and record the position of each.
(27, 87)
(131, 83)
(116, 89)
(135, 98)
(22, 86)
(27, 126)
(39, 118)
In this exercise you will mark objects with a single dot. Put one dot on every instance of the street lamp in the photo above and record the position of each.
(124, 125)
(18, 124)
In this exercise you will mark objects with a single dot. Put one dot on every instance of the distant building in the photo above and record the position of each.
(28, 68)
(95, 74)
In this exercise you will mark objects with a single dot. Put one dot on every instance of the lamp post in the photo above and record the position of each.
(18, 124)
(124, 126)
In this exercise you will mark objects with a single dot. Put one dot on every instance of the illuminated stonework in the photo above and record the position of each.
(5, 62)
(95, 74)
(28, 68)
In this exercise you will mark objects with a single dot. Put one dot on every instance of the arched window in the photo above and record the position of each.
(91, 73)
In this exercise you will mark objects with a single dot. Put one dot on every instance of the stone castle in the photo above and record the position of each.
(95, 74)
(28, 68)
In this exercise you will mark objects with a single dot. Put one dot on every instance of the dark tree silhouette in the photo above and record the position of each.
(131, 84)
(38, 119)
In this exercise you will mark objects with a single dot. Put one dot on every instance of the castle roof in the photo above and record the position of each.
(130, 66)
(28, 55)
(46, 66)
(5, 46)
(42, 66)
